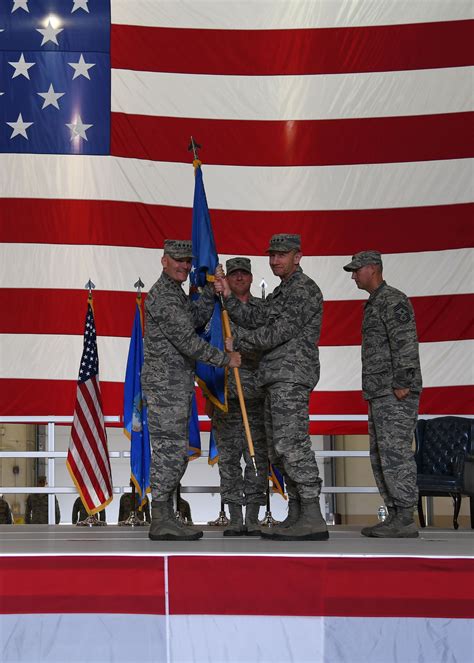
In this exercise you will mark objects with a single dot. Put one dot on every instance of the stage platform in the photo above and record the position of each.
(114, 540)
(110, 594)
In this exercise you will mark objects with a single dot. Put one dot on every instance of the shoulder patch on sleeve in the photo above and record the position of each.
(402, 312)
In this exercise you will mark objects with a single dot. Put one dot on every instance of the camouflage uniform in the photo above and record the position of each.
(230, 435)
(36, 510)
(125, 508)
(79, 512)
(5, 513)
(390, 361)
(285, 328)
(171, 348)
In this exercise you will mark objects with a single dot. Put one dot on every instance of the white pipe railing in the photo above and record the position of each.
(51, 456)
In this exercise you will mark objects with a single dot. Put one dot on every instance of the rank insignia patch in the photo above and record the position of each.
(402, 312)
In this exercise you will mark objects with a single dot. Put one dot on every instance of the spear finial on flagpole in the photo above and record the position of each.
(194, 147)
(139, 285)
(89, 286)
(263, 285)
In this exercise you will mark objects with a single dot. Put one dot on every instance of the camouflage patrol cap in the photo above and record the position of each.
(178, 249)
(284, 242)
(362, 259)
(234, 264)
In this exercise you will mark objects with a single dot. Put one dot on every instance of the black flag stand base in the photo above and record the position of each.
(132, 521)
(221, 519)
(268, 520)
(91, 521)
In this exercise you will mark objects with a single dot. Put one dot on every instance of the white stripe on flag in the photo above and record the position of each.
(114, 268)
(285, 14)
(311, 97)
(361, 186)
(443, 363)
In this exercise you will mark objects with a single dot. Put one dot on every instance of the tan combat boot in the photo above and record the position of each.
(294, 512)
(369, 531)
(236, 525)
(402, 526)
(164, 527)
(310, 526)
(252, 525)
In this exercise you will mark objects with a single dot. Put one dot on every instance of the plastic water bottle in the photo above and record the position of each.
(382, 513)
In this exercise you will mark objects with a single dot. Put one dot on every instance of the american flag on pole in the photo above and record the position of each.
(88, 455)
(348, 121)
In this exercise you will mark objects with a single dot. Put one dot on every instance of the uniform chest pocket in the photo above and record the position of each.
(372, 322)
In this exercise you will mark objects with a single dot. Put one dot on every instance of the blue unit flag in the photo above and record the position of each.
(212, 380)
(135, 420)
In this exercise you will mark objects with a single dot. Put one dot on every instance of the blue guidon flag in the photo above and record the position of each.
(135, 417)
(211, 379)
(55, 77)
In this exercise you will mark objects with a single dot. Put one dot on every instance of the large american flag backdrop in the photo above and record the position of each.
(349, 122)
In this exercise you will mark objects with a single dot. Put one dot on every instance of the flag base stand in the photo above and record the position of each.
(221, 520)
(268, 520)
(91, 521)
(132, 521)
(181, 519)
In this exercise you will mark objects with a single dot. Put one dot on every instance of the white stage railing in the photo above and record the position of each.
(51, 455)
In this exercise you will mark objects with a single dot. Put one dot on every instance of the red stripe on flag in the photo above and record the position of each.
(89, 503)
(376, 587)
(97, 440)
(292, 51)
(296, 142)
(82, 584)
(84, 477)
(34, 397)
(323, 233)
(439, 317)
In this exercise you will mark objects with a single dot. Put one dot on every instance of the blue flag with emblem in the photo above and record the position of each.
(135, 420)
(211, 379)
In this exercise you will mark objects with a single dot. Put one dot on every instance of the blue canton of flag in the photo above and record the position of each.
(212, 380)
(55, 76)
(89, 367)
(135, 417)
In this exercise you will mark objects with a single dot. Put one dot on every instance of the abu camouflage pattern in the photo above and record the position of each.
(171, 348)
(289, 443)
(169, 411)
(232, 444)
(171, 344)
(229, 433)
(285, 327)
(390, 358)
(391, 427)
